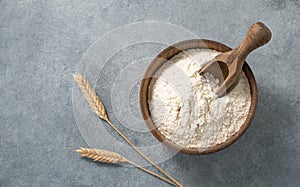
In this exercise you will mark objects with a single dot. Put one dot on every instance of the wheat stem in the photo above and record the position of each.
(152, 173)
(105, 156)
(142, 154)
(96, 104)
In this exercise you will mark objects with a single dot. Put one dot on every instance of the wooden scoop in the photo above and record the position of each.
(227, 66)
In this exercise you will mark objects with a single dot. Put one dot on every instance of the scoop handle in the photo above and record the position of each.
(258, 35)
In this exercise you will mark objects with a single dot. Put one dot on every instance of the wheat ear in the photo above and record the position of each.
(99, 109)
(91, 96)
(101, 155)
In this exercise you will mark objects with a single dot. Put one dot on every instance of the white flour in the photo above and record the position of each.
(184, 107)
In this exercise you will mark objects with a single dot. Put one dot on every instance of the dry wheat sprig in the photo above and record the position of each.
(101, 155)
(105, 156)
(91, 96)
(97, 106)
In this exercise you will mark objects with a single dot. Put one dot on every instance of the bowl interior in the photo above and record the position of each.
(163, 57)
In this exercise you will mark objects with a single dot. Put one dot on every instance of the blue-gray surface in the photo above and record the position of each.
(42, 42)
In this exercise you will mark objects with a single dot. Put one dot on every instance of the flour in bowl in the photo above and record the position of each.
(184, 107)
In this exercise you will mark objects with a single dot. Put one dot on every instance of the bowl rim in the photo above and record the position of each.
(163, 57)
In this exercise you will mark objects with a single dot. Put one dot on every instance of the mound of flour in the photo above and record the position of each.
(184, 107)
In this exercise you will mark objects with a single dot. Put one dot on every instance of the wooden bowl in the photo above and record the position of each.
(163, 57)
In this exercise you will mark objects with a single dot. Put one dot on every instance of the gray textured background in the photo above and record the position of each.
(42, 42)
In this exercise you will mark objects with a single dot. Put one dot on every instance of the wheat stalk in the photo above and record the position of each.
(105, 156)
(97, 106)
